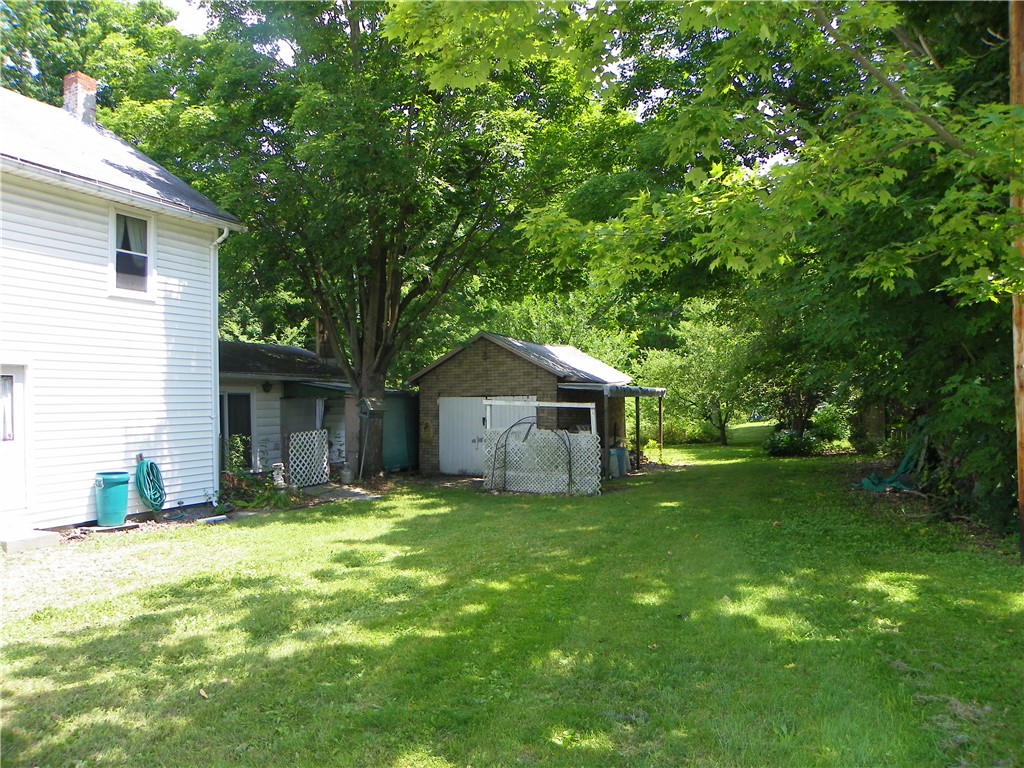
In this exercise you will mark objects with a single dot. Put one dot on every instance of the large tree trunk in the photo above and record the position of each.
(720, 421)
(371, 423)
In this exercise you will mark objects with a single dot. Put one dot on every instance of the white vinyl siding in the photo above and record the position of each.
(109, 378)
(7, 409)
(267, 428)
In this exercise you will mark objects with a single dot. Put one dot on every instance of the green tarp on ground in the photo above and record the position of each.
(904, 477)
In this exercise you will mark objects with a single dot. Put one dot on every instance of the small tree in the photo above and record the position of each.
(706, 374)
(664, 368)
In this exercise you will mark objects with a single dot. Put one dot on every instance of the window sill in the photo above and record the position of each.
(149, 297)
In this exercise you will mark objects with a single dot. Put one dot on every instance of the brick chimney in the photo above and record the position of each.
(80, 97)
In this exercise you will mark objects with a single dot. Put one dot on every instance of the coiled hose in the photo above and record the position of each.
(150, 485)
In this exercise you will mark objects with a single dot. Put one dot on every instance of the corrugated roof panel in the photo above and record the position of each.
(564, 361)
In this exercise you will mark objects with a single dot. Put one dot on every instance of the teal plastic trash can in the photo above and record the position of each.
(620, 462)
(111, 498)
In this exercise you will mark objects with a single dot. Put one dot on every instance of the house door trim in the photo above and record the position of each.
(14, 443)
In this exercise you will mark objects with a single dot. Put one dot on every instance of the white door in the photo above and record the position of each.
(461, 430)
(13, 447)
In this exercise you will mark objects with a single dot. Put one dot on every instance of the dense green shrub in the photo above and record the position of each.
(831, 422)
(972, 436)
(862, 442)
(787, 443)
(679, 430)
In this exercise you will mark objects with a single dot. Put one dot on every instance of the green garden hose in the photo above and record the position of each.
(150, 485)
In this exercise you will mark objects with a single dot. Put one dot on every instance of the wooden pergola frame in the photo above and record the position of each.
(624, 391)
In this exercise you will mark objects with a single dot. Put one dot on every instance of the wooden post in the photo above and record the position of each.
(1017, 202)
(661, 423)
(636, 401)
(606, 448)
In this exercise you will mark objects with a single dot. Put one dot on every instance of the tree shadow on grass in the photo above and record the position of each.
(677, 626)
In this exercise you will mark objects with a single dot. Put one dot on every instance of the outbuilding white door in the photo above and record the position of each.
(13, 445)
(461, 430)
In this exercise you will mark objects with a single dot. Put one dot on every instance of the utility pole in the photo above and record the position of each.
(1017, 202)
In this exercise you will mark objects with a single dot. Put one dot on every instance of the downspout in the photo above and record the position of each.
(215, 326)
(222, 238)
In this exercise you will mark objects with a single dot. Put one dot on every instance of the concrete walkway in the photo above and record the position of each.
(336, 492)
(20, 539)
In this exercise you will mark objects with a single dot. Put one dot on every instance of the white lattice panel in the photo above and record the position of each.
(531, 460)
(307, 458)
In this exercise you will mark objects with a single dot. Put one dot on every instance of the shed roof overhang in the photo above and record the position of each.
(330, 389)
(617, 390)
(283, 377)
(307, 388)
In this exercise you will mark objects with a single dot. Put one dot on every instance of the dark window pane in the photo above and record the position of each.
(239, 415)
(236, 427)
(131, 271)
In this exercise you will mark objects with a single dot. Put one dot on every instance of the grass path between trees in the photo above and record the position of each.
(732, 611)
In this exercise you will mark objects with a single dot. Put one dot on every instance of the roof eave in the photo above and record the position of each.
(584, 386)
(28, 170)
(300, 377)
(622, 390)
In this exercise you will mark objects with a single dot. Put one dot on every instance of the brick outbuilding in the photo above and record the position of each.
(455, 389)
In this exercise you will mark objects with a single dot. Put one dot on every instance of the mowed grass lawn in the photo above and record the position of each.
(735, 611)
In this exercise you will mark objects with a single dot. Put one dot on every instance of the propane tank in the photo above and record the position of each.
(346, 474)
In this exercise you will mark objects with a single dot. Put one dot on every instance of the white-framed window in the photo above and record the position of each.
(132, 255)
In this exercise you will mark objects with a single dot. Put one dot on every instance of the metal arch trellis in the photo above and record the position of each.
(527, 459)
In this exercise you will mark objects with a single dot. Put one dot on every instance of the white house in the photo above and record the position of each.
(108, 316)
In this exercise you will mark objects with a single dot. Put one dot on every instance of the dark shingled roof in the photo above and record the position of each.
(36, 136)
(275, 362)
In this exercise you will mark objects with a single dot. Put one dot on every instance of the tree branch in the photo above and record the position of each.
(924, 44)
(437, 265)
(322, 297)
(405, 330)
(895, 91)
(904, 38)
